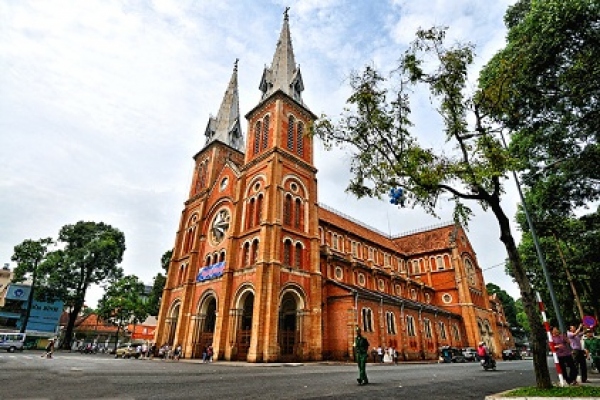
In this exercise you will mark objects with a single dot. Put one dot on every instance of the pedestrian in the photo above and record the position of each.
(591, 346)
(49, 349)
(205, 354)
(575, 335)
(565, 358)
(144, 350)
(177, 353)
(380, 354)
(152, 351)
(361, 349)
(395, 355)
(209, 353)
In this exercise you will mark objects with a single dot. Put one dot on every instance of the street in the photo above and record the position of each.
(84, 376)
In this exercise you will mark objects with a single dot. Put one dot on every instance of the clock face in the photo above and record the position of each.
(220, 226)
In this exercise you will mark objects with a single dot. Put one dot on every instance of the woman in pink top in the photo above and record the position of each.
(565, 359)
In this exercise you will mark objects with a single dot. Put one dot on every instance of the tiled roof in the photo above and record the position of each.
(390, 299)
(435, 239)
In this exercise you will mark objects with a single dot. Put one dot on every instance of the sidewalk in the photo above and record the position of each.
(593, 381)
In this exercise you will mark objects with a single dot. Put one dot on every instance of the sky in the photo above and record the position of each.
(104, 103)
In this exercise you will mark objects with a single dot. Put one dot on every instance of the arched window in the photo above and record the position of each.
(180, 276)
(298, 213)
(367, 320)
(290, 133)
(207, 261)
(257, 132)
(259, 207)
(287, 210)
(222, 256)
(298, 256)
(254, 252)
(300, 138)
(391, 323)
(456, 333)
(442, 328)
(250, 215)
(440, 263)
(287, 252)
(410, 325)
(427, 328)
(246, 254)
(265, 138)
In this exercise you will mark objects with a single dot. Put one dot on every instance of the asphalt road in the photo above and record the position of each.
(82, 376)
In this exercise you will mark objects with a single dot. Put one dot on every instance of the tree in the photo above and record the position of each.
(122, 303)
(29, 257)
(90, 255)
(543, 87)
(386, 155)
(159, 284)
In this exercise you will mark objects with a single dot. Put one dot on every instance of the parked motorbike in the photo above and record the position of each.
(490, 363)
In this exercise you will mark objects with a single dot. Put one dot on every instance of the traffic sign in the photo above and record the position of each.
(589, 321)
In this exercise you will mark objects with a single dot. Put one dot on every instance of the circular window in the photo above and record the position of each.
(413, 294)
(399, 290)
(220, 226)
(257, 186)
(224, 183)
(294, 187)
(339, 273)
(361, 279)
(381, 284)
(446, 298)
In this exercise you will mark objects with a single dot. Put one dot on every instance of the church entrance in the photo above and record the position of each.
(171, 322)
(244, 332)
(205, 326)
(288, 327)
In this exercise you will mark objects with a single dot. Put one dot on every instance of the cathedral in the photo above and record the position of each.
(263, 272)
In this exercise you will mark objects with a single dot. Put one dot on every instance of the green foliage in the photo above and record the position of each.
(153, 305)
(30, 256)
(522, 317)
(386, 154)
(122, 302)
(543, 87)
(90, 254)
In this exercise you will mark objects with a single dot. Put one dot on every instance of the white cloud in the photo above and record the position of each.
(103, 104)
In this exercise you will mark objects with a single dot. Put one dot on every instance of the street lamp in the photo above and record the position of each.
(538, 249)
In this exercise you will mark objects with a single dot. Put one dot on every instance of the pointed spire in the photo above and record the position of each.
(284, 74)
(226, 126)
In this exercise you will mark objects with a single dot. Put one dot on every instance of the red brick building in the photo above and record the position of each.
(264, 272)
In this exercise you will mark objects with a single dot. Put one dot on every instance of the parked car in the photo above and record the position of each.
(470, 354)
(127, 351)
(511, 354)
(12, 341)
(452, 354)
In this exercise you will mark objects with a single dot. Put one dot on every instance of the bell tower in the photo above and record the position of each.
(286, 320)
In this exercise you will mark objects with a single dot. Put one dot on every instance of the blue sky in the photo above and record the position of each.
(103, 104)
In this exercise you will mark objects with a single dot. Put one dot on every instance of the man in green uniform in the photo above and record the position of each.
(591, 347)
(361, 348)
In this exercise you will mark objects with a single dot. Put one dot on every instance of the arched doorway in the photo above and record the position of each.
(172, 321)
(288, 327)
(205, 326)
(244, 326)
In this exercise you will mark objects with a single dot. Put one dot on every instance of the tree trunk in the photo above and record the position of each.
(538, 333)
(66, 344)
(29, 300)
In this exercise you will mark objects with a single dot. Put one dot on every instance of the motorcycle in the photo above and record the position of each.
(490, 363)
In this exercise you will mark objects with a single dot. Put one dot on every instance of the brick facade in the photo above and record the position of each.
(265, 273)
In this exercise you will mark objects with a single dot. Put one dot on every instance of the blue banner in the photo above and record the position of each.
(210, 272)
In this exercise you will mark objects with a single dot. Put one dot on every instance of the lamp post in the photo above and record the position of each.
(538, 249)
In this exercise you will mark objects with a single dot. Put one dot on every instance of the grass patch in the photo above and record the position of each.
(569, 391)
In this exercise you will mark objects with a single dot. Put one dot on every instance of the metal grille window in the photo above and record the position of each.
(265, 138)
(297, 213)
(290, 133)
(300, 138)
(287, 210)
(257, 131)
(287, 252)
(456, 333)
